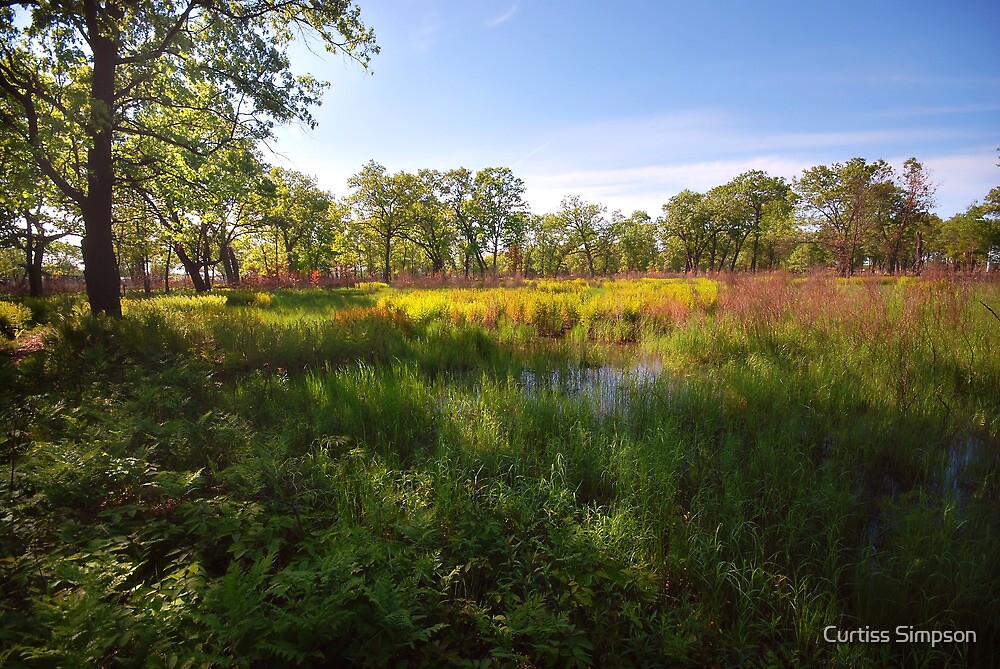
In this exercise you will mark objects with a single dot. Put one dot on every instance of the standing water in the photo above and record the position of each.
(610, 386)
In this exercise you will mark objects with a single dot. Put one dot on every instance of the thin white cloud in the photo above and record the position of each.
(503, 18)
(639, 163)
(530, 153)
(961, 179)
(702, 136)
(938, 111)
(648, 187)
(425, 34)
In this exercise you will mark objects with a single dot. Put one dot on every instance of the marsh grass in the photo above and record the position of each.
(490, 478)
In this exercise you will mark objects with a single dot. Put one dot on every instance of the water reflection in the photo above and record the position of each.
(958, 482)
(610, 386)
(961, 453)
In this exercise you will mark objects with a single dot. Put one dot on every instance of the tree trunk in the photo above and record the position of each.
(33, 257)
(480, 262)
(590, 259)
(289, 244)
(35, 287)
(205, 264)
(437, 262)
(230, 264)
(100, 265)
(386, 271)
(166, 272)
(892, 263)
(918, 263)
(147, 280)
(192, 268)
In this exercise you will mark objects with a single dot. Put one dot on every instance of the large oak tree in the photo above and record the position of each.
(381, 203)
(846, 201)
(78, 76)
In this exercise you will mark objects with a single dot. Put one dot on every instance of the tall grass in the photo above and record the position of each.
(437, 477)
(613, 311)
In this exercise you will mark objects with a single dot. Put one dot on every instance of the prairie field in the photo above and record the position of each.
(564, 473)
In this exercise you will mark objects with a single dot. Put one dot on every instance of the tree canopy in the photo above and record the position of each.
(79, 78)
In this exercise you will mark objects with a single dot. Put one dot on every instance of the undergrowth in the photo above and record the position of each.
(475, 478)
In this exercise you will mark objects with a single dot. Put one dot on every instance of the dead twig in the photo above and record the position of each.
(990, 310)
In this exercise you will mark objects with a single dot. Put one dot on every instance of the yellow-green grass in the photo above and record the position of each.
(380, 477)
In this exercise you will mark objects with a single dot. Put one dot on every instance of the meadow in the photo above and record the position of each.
(640, 472)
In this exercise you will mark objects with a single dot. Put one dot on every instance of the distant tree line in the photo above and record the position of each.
(232, 216)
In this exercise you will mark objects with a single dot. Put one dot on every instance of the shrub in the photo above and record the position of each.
(371, 285)
(13, 319)
(173, 303)
(248, 298)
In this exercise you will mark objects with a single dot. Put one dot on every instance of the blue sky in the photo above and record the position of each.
(628, 103)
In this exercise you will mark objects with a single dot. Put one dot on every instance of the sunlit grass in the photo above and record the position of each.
(617, 311)
(442, 476)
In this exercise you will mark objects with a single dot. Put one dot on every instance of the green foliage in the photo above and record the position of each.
(13, 318)
(52, 308)
(326, 481)
(155, 88)
(247, 298)
(971, 238)
(371, 286)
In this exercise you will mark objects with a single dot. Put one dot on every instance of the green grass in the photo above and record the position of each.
(309, 478)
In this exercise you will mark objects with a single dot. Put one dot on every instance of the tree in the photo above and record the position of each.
(135, 245)
(516, 242)
(354, 245)
(760, 199)
(972, 238)
(685, 219)
(202, 202)
(636, 236)
(548, 245)
(297, 213)
(33, 215)
(429, 226)
(457, 196)
(913, 201)
(498, 206)
(780, 236)
(726, 227)
(381, 202)
(585, 226)
(845, 201)
(237, 185)
(85, 74)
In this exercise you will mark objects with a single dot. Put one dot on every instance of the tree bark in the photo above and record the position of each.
(35, 288)
(230, 264)
(192, 268)
(33, 257)
(100, 264)
(918, 262)
(590, 259)
(386, 270)
(147, 280)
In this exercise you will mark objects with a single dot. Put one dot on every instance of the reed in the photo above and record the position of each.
(482, 477)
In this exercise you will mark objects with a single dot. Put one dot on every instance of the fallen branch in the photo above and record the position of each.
(990, 310)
